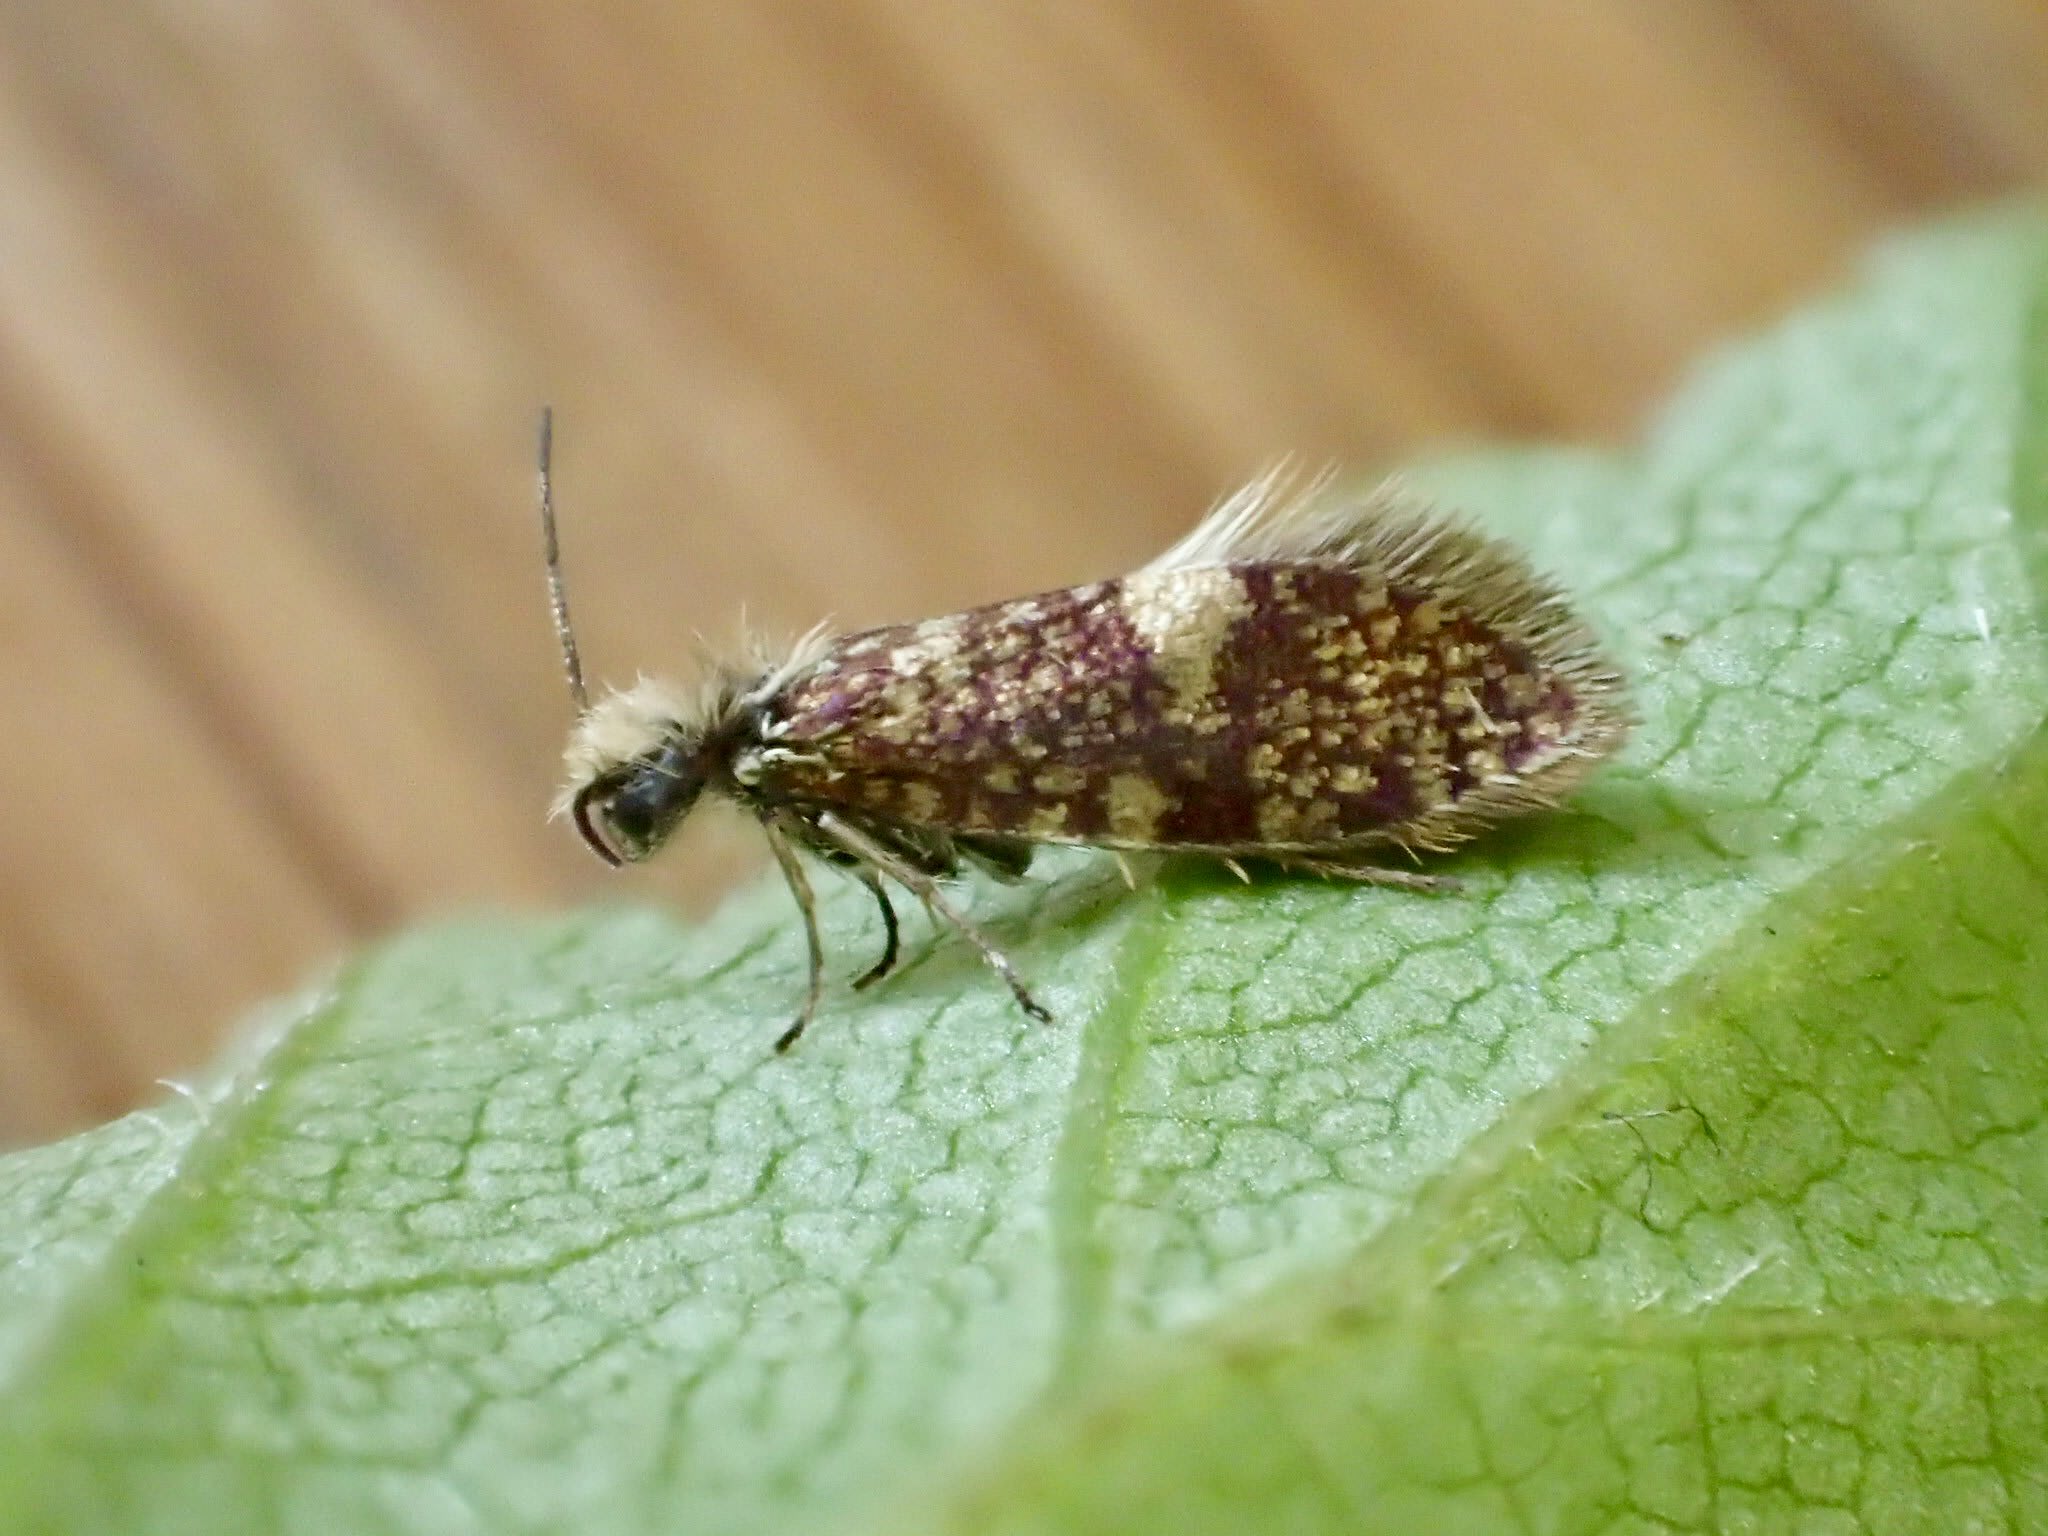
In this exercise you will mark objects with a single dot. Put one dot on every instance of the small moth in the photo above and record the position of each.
(1311, 678)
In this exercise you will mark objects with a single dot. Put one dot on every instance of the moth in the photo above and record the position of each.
(1313, 679)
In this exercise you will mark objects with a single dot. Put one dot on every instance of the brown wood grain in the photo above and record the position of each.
(864, 307)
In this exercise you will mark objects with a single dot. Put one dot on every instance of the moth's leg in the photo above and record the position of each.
(799, 887)
(1373, 874)
(926, 889)
(887, 963)
(934, 857)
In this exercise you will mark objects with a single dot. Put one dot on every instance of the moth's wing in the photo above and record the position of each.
(1157, 710)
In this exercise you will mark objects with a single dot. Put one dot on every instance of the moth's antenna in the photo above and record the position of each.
(551, 552)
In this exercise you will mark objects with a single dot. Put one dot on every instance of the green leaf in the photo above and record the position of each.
(1686, 1173)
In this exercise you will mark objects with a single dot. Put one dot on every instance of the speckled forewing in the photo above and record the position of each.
(1258, 705)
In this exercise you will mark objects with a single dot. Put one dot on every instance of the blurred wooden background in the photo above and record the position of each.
(864, 307)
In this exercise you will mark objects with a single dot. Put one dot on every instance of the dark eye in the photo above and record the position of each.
(626, 814)
(634, 810)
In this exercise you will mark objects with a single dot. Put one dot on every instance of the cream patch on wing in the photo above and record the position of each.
(1184, 615)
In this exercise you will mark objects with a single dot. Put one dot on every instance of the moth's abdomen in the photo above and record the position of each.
(1286, 705)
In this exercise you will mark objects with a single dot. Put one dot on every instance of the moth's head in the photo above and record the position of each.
(636, 764)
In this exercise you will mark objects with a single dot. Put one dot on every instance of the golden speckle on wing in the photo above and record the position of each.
(1276, 820)
(1132, 806)
(1059, 779)
(1046, 821)
(941, 639)
(921, 802)
(1351, 779)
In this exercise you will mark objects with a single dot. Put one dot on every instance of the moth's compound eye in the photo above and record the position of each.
(626, 814)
